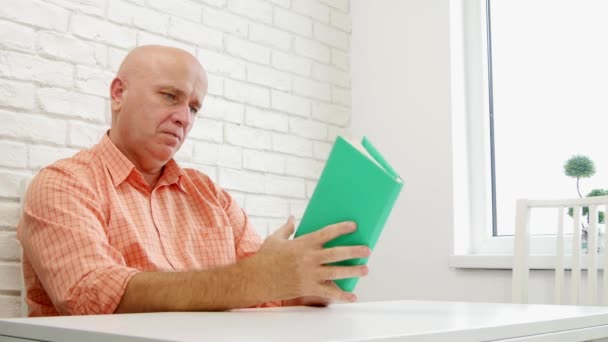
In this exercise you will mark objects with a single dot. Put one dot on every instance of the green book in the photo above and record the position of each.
(357, 184)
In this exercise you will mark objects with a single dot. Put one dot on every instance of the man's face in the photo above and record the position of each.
(159, 106)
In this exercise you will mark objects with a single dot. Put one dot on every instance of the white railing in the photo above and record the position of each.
(521, 249)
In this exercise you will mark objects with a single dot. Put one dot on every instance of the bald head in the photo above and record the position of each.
(155, 96)
(141, 60)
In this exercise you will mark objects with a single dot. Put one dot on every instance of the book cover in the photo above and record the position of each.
(357, 184)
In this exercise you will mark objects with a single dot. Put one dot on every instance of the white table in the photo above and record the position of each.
(387, 321)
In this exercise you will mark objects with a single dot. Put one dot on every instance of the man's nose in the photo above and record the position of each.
(182, 116)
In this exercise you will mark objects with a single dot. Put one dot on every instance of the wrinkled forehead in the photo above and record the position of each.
(182, 72)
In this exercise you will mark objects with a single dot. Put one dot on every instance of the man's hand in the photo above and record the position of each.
(298, 267)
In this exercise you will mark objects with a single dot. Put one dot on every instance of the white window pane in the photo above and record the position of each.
(550, 77)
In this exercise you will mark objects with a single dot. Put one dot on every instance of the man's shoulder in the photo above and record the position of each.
(84, 165)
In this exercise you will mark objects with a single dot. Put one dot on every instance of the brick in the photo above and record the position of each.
(17, 94)
(247, 93)
(269, 36)
(292, 22)
(93, 81)
(340, 20)
(291, 63)
(285, 186)
(63, 102)
(287, 143)
(11, 276)
(248, 137)
(93, 7)
(10, 213)
(331, 75)
(216, 3)
(10, 306)
(103, 31)
(310, 188)
(225, 22)
(218, 154)
(36, 13)
(340, 96)
(307, 128)
(68, 48)
(254, 9)
(260, 118)
(34, 128)
(266, 206)
(41, 156)
(217, 108)
(260, 225)
(329, 113)
(310, 88)
(340, 59)
(238, 197)
(145, 38)
(333, 132)
(32, 68)
(115, 58)
(303, 167)
(10, 183)
(215, 85)
(242, 180)
(138, 16)
(339, 4)
(208, 130)
(289, 103)
(195, 33)
(297, 208)
(180, 8)
(13, 154)
(282, 3)
(85, 135)
(268, 77)
(222, 64)
(263, 161)
(17, 37)
(312, 9)
(320, 150)
(247, 50)
(10, 250)
(331, 36)
(185, 152)
(312, 49)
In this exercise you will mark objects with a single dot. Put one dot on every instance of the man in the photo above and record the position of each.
(122, 228)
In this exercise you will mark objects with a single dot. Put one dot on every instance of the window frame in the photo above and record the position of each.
(474, 243)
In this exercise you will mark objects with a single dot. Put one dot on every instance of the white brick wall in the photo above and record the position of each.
(279, 94)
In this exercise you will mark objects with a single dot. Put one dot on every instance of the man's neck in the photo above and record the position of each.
(151, 171)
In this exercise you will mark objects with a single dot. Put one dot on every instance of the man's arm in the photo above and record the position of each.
(282, 269)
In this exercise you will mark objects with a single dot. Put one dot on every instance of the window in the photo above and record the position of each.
(533, 79)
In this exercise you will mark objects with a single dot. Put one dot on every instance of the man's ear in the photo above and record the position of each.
(117, 89)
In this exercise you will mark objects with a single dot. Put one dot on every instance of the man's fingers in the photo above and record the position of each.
(331, 232)
(286, 230)
(331, 291)
(335, 254)
(342, 272)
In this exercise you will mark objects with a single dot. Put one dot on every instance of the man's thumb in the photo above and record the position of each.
(286, 230)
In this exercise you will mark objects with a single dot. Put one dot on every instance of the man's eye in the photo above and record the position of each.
(169, 96)
(193, 110)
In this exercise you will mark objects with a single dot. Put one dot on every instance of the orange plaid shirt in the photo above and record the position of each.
(91, 222)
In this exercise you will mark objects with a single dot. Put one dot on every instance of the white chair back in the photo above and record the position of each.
(25, 183)
(521, 249)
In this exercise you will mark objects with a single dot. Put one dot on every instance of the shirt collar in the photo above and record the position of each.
(120, 167)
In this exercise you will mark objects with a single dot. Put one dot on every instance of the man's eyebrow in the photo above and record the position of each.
(196, 102)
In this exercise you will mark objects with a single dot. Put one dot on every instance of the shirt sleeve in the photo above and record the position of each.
(63, 237)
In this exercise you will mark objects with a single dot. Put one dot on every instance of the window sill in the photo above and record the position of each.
(505, 262)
